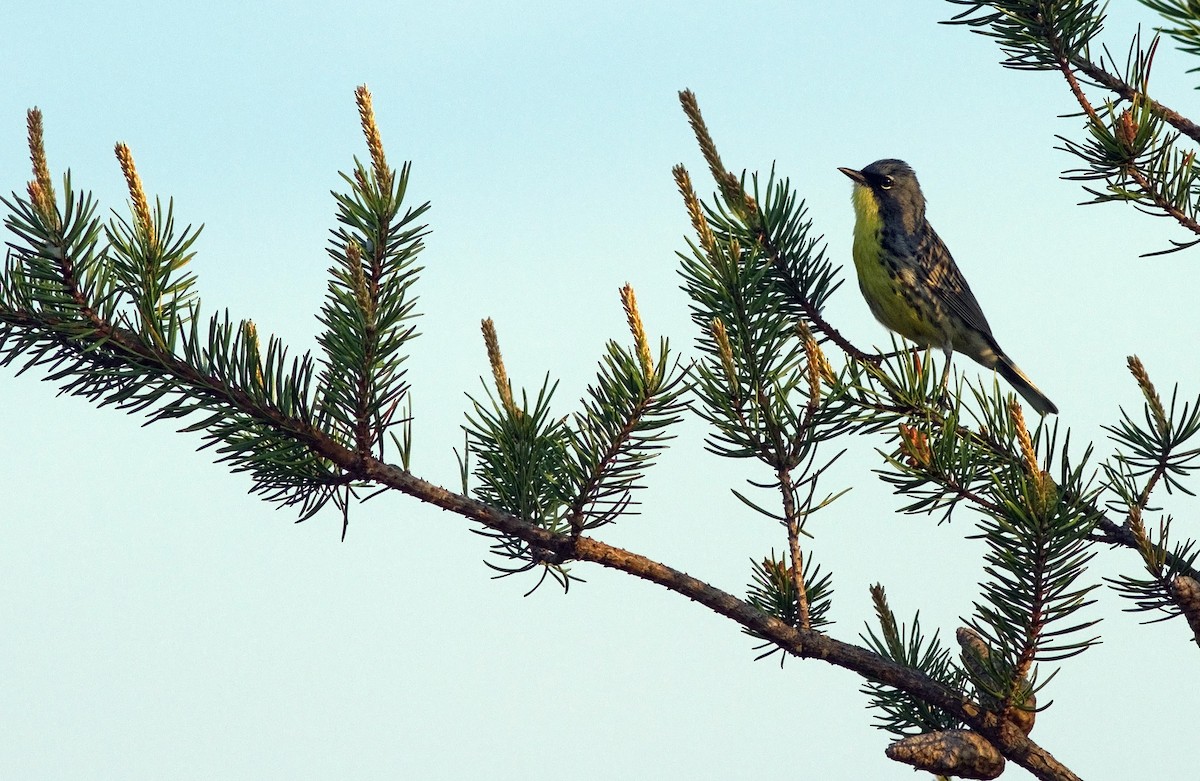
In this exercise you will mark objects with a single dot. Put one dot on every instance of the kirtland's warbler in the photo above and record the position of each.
(910, 281)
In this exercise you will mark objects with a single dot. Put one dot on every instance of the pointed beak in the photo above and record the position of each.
(857, 176)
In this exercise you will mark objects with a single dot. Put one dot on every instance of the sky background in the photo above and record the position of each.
(157, 622)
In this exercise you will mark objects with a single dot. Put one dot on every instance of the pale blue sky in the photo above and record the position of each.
(160, 623)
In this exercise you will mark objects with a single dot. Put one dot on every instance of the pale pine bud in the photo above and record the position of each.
(959, 753)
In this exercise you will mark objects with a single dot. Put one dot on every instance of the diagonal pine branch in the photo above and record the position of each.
(1011, 742)
(354, 467)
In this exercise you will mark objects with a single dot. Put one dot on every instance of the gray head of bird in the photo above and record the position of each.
(894, 185)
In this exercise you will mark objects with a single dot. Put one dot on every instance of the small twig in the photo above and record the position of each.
(811, 313)
(1160, 201)
(1129, 92)
(793, 530)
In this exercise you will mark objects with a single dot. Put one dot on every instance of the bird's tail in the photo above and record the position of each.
(1024, 386)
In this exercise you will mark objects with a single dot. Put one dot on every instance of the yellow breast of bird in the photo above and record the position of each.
(892, 289)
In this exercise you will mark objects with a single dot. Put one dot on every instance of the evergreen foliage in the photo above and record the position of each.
(111, 313)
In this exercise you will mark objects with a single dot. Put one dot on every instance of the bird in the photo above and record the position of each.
(911, 282)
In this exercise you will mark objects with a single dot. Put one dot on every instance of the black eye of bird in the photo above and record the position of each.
(886, 182)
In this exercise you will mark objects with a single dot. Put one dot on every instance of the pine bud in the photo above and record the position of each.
(960, 753)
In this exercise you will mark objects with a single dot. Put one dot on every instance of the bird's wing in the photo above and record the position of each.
(947, 282)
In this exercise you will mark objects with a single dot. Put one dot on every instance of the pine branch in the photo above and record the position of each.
(623, 425)
(792, 520)
(774, 591)
(900, 712)
(369, 307)
(780, 232)
(566, 547)
(1128, 150)
(66, 303)
(1037, 553)
(905, 394)
(1132, 94)
(1149, 454)
(800, 643)
(115, 323)
(615, 440)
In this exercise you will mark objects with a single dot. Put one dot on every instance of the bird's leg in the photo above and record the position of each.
(946, 377)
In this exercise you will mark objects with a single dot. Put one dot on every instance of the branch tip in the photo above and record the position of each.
(914, 445)
(727, 181)
(887, 619)
(817, 365)
(629, 302)
(362, 289)
(366, 114)
(725, 349)
(503, 386)
(37, 147)
(41, 188)
(254, 349)
(691, 202)
(137, 194)
(1148, 390)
